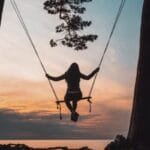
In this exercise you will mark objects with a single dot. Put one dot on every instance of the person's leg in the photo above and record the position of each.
(69, 106)
(74, 115)
(68, 101)
(76, 98)
(74, 102)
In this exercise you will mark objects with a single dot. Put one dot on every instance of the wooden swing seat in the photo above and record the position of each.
(83, 98)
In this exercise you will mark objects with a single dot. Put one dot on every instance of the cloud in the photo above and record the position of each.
(31, 114)
(39, 125)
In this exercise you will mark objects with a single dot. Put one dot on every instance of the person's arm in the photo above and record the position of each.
(87, 77)
(55, 78)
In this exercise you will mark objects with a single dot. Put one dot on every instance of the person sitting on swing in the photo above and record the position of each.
(73, 93)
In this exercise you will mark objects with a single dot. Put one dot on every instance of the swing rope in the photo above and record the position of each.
(16, 9)
(105, 49)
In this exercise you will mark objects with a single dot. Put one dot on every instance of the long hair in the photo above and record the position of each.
(73, 73)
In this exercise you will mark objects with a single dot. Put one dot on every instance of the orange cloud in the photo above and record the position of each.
(32, 96)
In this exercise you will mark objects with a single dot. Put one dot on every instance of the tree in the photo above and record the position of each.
(69, 12)
(139, 131)
(1, 9)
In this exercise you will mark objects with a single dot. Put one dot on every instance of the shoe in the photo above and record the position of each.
(74, 116)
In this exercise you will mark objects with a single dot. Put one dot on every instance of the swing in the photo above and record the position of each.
(58, 101)
(83, 98)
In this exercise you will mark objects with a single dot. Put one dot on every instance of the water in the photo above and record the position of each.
(93, 144)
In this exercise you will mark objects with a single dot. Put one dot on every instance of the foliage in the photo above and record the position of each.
(120, 143)
(70, 12)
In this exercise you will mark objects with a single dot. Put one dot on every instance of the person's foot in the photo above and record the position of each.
(75, 113)
(74, 116)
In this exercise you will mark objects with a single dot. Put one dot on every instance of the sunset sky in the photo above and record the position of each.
(27, 107)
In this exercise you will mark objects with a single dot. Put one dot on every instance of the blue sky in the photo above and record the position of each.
(24, 89)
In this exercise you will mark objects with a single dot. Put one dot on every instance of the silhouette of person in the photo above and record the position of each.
(73, 93)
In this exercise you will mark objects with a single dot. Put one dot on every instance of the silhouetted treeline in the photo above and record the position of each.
(25, 147)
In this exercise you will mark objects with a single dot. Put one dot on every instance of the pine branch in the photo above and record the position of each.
(69, 12)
